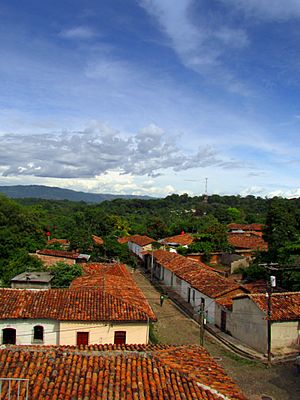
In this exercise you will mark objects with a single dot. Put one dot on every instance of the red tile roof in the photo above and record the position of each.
(89, 304)
(58, 253)
(97, 240)
(182, 240)
(115, 280)
(140, 240)
(197, 274)
(226, 300)
(247, 227)
(59, 241)
(124, 239)
(243, 241)
(284, 306)
(103, 372)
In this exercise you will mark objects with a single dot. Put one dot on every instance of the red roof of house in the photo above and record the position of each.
(97, 240)
(247, 227)
(197, 274)
(89, 304)
(124, 239)
(182, 240)
(115, 280)
(226, 300)
(58, 253)
(140, 240)
(251, 242)
(110, 372)
(59, 241)
(284, 306)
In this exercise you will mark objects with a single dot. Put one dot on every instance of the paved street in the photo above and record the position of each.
(279, 382)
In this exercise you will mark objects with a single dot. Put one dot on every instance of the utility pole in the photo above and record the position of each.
(201, 313)
(270, 286)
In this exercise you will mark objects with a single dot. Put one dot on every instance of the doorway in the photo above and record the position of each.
(9, 336)
(82, 338)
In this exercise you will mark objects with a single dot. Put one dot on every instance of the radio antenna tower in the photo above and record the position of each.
(205, 197)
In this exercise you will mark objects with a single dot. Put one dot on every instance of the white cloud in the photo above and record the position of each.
(278, 10)
(98, 149)
(78, 32)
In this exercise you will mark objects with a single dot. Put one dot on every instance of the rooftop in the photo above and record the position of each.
(140, 240)
(284, 306)
(242, 241)
(38, 277)
(247, 227)
(110, 372)
(97, 240)
(89, 304)
(197, 274)
(58, 253)
(182, 240)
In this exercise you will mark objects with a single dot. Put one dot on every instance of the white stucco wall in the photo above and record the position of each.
(248, 324)
(103, 332)
(284, 335)
(24, 330)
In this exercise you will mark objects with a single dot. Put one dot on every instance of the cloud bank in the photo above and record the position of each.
(97, 150)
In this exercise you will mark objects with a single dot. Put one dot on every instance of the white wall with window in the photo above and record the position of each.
(30, 331)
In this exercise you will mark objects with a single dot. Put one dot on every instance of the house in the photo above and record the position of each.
(107, 308)
(194, 282)
(114, 372)
(98, 241)
(246, 245)
(250, 229)
(63, 243)
(138, 244)
(32, 280)
(247, 320)
(184, 239)
(50, 257)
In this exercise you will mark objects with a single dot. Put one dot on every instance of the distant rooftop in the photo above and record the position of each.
(37, 277)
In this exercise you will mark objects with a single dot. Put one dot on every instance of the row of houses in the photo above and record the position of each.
(234, 308)
(102, 306)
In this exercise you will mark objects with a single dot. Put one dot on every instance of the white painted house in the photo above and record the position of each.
(196, 283)
(72, 317)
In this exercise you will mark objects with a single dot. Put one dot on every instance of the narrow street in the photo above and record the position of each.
(256, 380)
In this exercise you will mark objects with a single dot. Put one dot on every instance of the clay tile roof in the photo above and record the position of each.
(97, 240)
(59, 241)
(58, 253)
(182, 240)
(226, 300)
(284, 306)
(114, 279)
(197, 274)
(89, 304)
(247, 227)
(140, 240)
(107, 372)
(242, 241)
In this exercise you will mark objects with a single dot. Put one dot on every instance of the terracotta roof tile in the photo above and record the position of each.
(97, 240)
(197, 274)
(89, 304)
(58, 253)
(244, 241)
(284, 306)
(107, 372)
(59, 241)
(140, 240)
(247, 227)
(182, 240)
(115, 280)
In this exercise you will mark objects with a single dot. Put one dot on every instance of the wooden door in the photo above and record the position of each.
(223, 321)
(120, 337)
(82, 338)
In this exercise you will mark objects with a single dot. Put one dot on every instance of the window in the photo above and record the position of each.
(38, 333)
(194, 295)
(8, 336)
(120, 337)
(203, 301)
(82, 338)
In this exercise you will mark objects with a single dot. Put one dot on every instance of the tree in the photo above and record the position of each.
(64, 274)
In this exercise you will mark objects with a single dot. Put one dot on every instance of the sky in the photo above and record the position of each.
(151, 97)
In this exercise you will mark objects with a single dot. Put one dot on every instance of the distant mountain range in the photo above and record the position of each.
(56, 193)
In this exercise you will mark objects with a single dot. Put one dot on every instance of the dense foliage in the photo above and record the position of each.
(23, 227)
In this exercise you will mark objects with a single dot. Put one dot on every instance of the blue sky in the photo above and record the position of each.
(151, 96)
